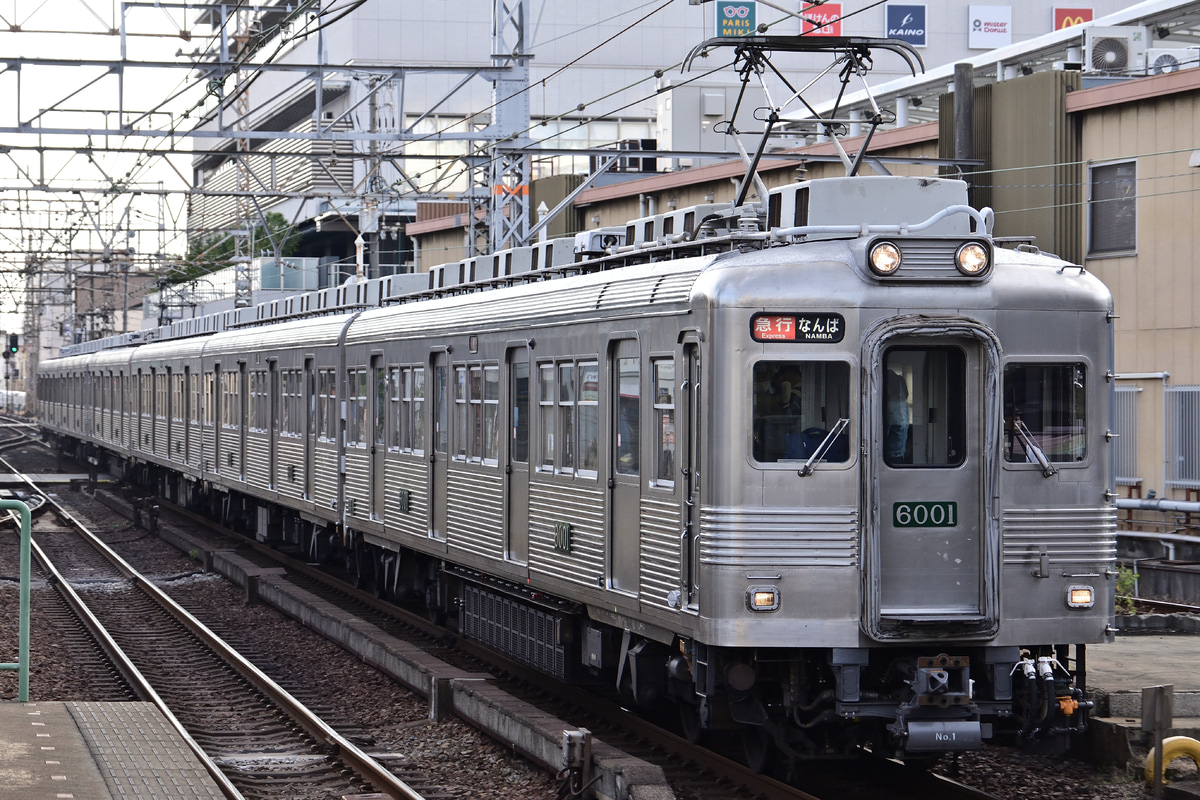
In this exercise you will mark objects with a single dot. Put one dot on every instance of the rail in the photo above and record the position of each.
(347, 751)
(21, 666)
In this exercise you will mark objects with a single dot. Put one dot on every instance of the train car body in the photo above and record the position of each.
(832, 472)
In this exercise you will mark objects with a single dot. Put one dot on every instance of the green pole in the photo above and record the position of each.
(22, 664)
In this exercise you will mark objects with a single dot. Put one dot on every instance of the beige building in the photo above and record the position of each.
(1141, 156)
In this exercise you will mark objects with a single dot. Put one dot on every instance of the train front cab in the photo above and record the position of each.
(931, 534)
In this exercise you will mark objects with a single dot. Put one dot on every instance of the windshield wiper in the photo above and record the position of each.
(826, 443)
(1031, 446)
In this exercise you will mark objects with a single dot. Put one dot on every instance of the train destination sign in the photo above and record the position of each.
(813, 328)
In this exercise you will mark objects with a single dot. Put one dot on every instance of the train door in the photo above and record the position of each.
(689, 449)
(438, 461)
(171, 413)
(379, 406)
(932, 411)
(216, 401)
(516, 470)
(242, 417)
(273, 420)
(310, 427)
(624, 479)
(189, 412)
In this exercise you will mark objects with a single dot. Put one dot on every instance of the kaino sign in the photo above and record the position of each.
(1069, 17)
(906, 23)
(736, 18)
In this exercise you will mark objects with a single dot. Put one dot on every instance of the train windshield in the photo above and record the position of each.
(796, 404)
(924, 397)
(1044, 408)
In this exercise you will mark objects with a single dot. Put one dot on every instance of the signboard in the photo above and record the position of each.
(736, 18)
(990, 27)
(822, 20)
(1067, 17)
(906, 23)
(813, 328)
(925, 514)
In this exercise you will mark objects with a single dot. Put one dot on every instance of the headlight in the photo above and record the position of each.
(971, 258)
(1081, 596)
(762, 598)
(885, 258)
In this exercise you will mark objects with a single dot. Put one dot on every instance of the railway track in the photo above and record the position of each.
(254, 737)
(694, 771)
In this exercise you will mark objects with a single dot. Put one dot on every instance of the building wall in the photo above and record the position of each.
(1156, 290)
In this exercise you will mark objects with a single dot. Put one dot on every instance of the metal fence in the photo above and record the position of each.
(1125, 425)
(1183, 436)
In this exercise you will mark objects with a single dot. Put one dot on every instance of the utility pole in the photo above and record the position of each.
(508, 220)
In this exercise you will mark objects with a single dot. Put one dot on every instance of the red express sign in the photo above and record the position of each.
(813, 328)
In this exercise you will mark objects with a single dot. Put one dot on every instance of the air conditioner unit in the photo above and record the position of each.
(1161, 60)
(1115, 50)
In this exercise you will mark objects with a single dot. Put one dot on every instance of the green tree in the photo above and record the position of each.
(214, 251)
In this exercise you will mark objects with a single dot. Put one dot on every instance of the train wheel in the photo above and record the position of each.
(433, 605)
(379, 580)
(758, 748)
(689, 722)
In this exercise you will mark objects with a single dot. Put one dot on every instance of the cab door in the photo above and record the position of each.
(932, 547)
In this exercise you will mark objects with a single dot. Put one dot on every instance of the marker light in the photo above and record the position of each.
(1080, 597)
(971, 258)
(762, 598)
(885, 258)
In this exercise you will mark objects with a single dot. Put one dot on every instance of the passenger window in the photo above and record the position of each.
(546, 409)
(589, 417)
(796, 405)
(629, 407)
(924, 397)
(441, 414)
(520, 412)
(664, 415)
(1045, 407)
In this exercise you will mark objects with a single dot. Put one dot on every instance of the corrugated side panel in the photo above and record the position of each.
(289, 476)
(258, 460)
(210, 447)
(192, 447)
(160, 438)
(779, 538)
(581, 507)
(230, 452)
(325, 477)
(358, 483)
(1071, 536)
(412, 476)
(660, 550)
(178, 431)
(475, 516)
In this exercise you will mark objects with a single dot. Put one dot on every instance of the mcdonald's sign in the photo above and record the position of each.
(1066, 17)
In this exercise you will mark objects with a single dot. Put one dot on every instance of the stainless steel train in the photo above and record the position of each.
(832, 471)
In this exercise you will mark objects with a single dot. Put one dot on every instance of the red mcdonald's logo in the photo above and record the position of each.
(1066, 17)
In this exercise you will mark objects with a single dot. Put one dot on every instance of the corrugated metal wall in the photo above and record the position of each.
(1022, 124)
